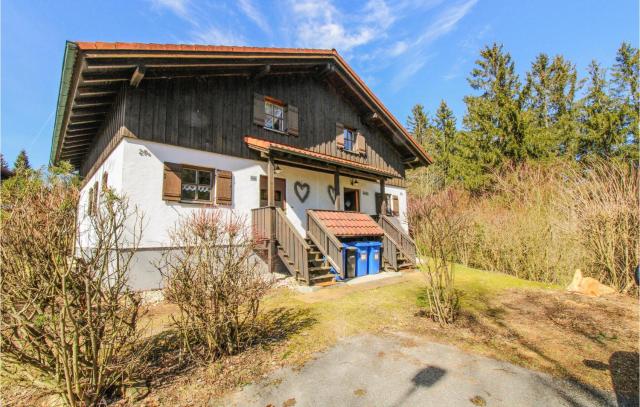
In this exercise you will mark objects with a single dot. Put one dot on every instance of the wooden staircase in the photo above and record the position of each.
(399, 250)
(301, 256)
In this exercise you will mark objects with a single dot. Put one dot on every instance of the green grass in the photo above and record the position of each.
(338, 312)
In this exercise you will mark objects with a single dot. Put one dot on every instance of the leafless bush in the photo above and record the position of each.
(69, 320)
(215, 281)
(519, 229)
(439, 229)
(604, 199)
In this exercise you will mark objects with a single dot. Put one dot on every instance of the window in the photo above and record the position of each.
(349, 139)
(274, 115)
(196, 184)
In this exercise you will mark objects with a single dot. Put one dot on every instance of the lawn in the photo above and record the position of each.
(531, 324)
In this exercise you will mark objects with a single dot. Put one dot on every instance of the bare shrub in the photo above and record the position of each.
(520, 230)
(69, 320)
(215, 281)
(439, 229)
(604, 199)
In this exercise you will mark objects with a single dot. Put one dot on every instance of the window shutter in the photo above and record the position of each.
(395, 205)
(224, 187)
(292, 120)
(172, 185)
(258, 109)
(340, 135)
(362, 148)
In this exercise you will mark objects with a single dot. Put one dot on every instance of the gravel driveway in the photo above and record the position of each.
(403, 370)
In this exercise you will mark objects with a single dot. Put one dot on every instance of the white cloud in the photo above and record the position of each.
(446, 22)
(443, 24)
(398, 48)
(215, 36)
(319, 24)
(250, 10)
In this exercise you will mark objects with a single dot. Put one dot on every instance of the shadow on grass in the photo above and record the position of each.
(167, 361)
(575, 390)
(488, 320)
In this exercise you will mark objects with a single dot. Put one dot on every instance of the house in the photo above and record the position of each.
(291, 138)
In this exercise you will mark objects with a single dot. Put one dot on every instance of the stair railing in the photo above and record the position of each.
(327, 242)
(399, 238)
(292, 244)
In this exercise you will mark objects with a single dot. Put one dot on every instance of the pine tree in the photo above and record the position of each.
(497, 126)
(603, 130)
(418, 125)
(444, 126)
(21, 162)
(625, 80)
(5, 171)
(549, 95)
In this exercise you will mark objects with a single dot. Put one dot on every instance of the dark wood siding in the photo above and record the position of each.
(214, 114)
(108, 136)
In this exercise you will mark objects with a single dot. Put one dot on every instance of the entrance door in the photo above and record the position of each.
(279, 192)
(351, 200)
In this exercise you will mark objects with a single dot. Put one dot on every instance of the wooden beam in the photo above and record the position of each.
(97, 90)
(383, 199)
(270, 182)
(137, 76)
(336, 189)
(326, 69)
(264, 71)
(92, 101)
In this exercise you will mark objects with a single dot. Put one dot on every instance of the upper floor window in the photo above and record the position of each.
(196, 184)
(274, 115)
(349, 139)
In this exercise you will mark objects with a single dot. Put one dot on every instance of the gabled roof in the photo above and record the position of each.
(93, 72)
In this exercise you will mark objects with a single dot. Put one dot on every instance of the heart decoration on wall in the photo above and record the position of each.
(332, 193)
(302, 190)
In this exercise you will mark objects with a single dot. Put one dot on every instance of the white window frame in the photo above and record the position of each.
(269, 103)
(197, 184)
(352, 139)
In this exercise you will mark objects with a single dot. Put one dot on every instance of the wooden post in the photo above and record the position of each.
(336, 188)
(383, 198)
(271, 248)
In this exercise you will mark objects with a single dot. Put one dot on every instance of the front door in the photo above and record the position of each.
(351, 200)
(279, 192)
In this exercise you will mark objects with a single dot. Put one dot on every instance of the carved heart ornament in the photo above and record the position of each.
(302, 190)
(332, 193)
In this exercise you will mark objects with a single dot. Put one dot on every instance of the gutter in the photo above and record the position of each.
(70, 55)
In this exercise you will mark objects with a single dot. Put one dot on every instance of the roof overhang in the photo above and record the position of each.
(94, 72)
(311, 159)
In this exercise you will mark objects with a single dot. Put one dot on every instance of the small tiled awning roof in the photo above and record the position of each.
(349, 224)
(265, 145)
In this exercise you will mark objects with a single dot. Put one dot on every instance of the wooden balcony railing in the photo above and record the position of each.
(261, 224)
(327, 242)
(293, 245)
(397, 238)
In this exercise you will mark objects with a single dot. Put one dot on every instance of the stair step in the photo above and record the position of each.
(323, 277)
(326, 283)
(319, 268)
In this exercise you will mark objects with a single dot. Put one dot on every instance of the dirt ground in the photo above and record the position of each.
(590, 341)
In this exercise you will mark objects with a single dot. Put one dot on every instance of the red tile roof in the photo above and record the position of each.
(257, 143)
(349, 224)
(135, 46)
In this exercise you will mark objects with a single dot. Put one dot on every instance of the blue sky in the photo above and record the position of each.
(408, 51)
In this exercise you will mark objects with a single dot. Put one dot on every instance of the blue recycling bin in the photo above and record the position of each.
(362, 261)
(374, 257)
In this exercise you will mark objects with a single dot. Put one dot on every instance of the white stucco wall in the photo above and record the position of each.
(136, 169)
(113, 166)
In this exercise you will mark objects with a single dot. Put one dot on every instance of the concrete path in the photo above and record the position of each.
(403, 370)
